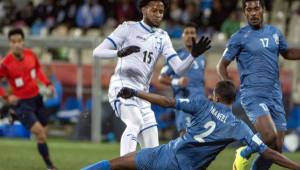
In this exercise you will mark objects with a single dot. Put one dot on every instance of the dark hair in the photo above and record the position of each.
(191, 24)
(262, 3)
(145, 2)
(15, 31)
(226, 90)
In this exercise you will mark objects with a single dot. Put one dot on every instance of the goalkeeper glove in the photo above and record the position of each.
(200, 47)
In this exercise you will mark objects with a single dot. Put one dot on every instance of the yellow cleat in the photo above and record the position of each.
(240, 163)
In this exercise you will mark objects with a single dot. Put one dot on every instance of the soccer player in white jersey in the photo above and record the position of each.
(138, 45)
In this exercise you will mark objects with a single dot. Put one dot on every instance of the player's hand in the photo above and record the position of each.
(128, 50)
(183, 82)
(12, 99)
(127, 93)
(201, 46)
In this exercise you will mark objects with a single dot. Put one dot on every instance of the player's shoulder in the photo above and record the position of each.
(29, 52)
(241, 32)
(162, 32)
(227, 111)
(272, 28)
(7, 58)
(200, 98)
(129, 24)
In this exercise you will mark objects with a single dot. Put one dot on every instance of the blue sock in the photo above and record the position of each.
(102, 165)
(261, 164)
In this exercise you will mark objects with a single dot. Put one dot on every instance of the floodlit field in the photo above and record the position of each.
(69, 155)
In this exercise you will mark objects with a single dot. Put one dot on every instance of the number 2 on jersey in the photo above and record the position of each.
(147, 57)
(210, 126)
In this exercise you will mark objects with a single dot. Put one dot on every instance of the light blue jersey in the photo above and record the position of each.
(213, 127)
(196, 85)
(257, 54)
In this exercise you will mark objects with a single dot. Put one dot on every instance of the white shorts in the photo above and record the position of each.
(148, 116)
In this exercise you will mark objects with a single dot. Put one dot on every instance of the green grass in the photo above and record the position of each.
(70, 155)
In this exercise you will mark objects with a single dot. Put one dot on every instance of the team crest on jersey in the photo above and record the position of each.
(276, 38)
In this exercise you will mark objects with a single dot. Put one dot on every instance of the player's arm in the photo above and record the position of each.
(40, 73)
(255, 144)
(192, 106)
(107, 50)
(165, 78)
(232, 50)
(181, 66)
(291, 54)
(112, 46)
(3, 94)
(41, 76)
(163, 101)
(285, 51)
(222, 69)
(280, 159)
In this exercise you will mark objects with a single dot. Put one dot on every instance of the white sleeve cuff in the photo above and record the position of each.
(179, 66)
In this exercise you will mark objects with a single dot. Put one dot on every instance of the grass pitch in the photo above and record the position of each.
(69, 155)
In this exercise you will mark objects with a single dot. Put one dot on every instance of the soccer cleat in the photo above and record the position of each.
(240, 163)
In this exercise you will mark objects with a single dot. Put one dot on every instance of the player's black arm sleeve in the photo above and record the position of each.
(222, 69)
(292, 54)
(157, 99)
(280, 159)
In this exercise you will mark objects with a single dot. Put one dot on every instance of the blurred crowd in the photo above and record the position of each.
(210, 15)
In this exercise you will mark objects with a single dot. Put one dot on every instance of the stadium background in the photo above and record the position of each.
(64, 32)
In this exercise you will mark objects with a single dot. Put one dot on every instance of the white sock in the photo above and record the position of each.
(149, 137)
(132, 117)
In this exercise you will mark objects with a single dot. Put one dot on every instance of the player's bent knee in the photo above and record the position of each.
(40, 133)
(41, 137)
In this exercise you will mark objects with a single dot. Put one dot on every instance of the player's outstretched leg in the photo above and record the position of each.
(126, 162)
(241, 161)
(102, 165)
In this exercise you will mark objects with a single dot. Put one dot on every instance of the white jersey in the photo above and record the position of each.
(136, 70)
